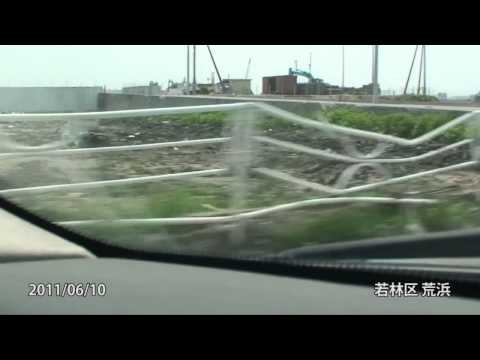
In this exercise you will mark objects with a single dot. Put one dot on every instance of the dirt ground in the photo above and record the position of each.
(35, 171)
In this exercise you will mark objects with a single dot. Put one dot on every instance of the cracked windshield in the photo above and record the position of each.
(230, 150)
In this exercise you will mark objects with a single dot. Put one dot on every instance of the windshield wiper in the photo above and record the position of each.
(451, 244)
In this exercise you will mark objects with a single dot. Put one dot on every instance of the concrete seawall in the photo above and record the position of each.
(49, 99)
(298, 106)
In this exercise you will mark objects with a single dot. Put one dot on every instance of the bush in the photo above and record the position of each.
(407, 125)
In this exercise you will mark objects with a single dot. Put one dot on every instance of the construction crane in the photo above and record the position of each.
(304, 74)
(224, 84)
(248, 68)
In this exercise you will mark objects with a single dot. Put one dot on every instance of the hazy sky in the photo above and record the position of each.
(450, 68)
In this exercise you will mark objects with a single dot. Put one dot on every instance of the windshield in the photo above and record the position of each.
(250, 165)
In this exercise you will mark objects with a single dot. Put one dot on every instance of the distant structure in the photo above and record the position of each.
(240, 86)
(288, 85)
(207, 88)
(36, 99)
(462, 98)
(234, 86)
(280, 85)
(152, 89)
(442, 96)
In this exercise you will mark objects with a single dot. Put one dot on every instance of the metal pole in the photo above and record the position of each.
(420, 75)
(188, 69)
(310, 64)
(343, 67)
(410, 72)
(194, 69)
(240, 159)
(425, 70)
(375, 74)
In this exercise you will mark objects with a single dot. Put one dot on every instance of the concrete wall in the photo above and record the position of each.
(301, 107)
(111, 102)
(241, 86)
(149, 90)
(49, 99)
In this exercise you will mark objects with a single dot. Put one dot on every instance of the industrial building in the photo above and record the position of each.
(232, 86)
(240, 86)
(288, 85)
(280, 85)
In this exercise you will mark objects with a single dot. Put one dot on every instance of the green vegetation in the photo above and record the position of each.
(132, 201)
(212, 118)
(155, 200)
(406, 124)
(364, 222)
(281, 231)
(306, 227)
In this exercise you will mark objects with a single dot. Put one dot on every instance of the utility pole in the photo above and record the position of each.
(421, 70)
(188, 70)
(310, 64)
(194, 69)
(343, 67)
(410, 72)
(375, 74)
(425, 70)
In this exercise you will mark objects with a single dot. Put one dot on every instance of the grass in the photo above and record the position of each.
(302, 228)
(363, 222)
(320, 225)
(220, 118)
(166, 199)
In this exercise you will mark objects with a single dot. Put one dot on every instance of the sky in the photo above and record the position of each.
(452, 69)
